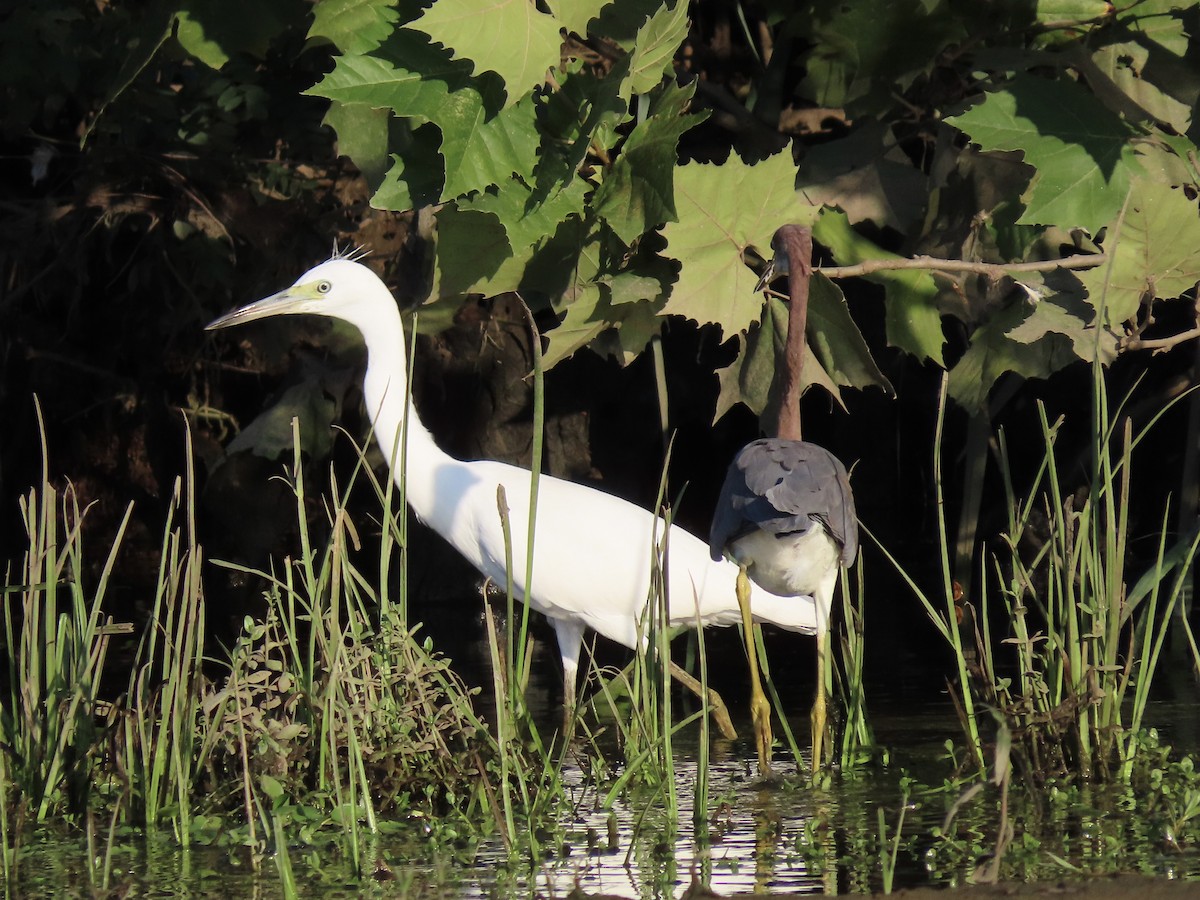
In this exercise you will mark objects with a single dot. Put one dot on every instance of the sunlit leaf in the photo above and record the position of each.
(914, 323)
(1083, 153)
(1154, 252)
(637, 193)
(654, 48)
(576, 15)
(354, 26)
(993, 353)
(724, 210)
(508, 37)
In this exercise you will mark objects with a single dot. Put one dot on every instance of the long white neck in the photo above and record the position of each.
(385, 393)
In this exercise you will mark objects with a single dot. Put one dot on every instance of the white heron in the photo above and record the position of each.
(786, 512)
(592, 554)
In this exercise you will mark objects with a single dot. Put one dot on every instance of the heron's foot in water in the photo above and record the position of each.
(760, 713)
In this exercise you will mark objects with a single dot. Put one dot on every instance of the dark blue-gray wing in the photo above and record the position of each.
(784, 486)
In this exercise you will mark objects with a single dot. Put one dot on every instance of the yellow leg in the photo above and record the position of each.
(818, 718)
(760, 707)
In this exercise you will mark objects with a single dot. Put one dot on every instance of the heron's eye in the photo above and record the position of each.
(324, 287)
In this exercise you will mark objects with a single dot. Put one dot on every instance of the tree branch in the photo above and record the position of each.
(1158, 345)
(1080, 261)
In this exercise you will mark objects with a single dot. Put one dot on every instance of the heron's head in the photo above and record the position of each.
(340, 288)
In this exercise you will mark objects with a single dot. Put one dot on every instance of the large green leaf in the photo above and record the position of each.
(363, 137)
(1060, 308)
(584, 110)
(835, 340)
(480, 147)
(914, 323)
(1083, 153)
(1154, 252)
(576, 15)
(723, 211)
(655, 46)
(354, 26)
(213, 30)
(637, 193)
(749, 379)
(508, 37)
(993, 353)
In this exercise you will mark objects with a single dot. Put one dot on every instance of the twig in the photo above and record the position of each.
(1080, 261)
(1159, 344)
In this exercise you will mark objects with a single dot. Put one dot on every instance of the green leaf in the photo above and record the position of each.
(479, 148)
(914, 323)
(214, 30)
(1154, 251)
(1058, 12)
(654, 48)
(354, 26)
(576, 15)
(480, 151)
(363, 137)
(1083, 153)
(1125, 65)
(835, 340)
(750, 379)
(527, 221)
(723, 211)
(1160, 22)
(1061, 308)
(415, 178)
(637, 193)
(571, 118)
(508, 37)
(472, 245)
(992, 354)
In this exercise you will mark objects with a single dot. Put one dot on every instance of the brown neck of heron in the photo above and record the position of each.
(797, 243)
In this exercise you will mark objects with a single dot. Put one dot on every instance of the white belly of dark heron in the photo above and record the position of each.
(789, 565)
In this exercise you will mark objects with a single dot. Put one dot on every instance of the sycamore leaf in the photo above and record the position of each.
(914, 323)
(1161, 22)
(362, 134)
(1083, 153)
(654, 48)
(471, 247)
(637, 194)
(1060, 308)
(724, 210)
(214, 30)
(479, 147)
(619, 330)
(1154, 251)
(835, 340)
(526, 219)
(572, 117)
(576, 15)
(508, 37)
(992, 353)
(1056, 12)
(354, 26)
(750, 379)
(415, 178)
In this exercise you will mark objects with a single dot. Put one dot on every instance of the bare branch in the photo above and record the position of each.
(1158, 345)
(1081, 261)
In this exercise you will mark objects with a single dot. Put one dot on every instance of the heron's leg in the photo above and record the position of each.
(818, 716)
(760, 707)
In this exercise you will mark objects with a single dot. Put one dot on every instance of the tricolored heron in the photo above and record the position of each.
(593, 552)
(786, 513)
